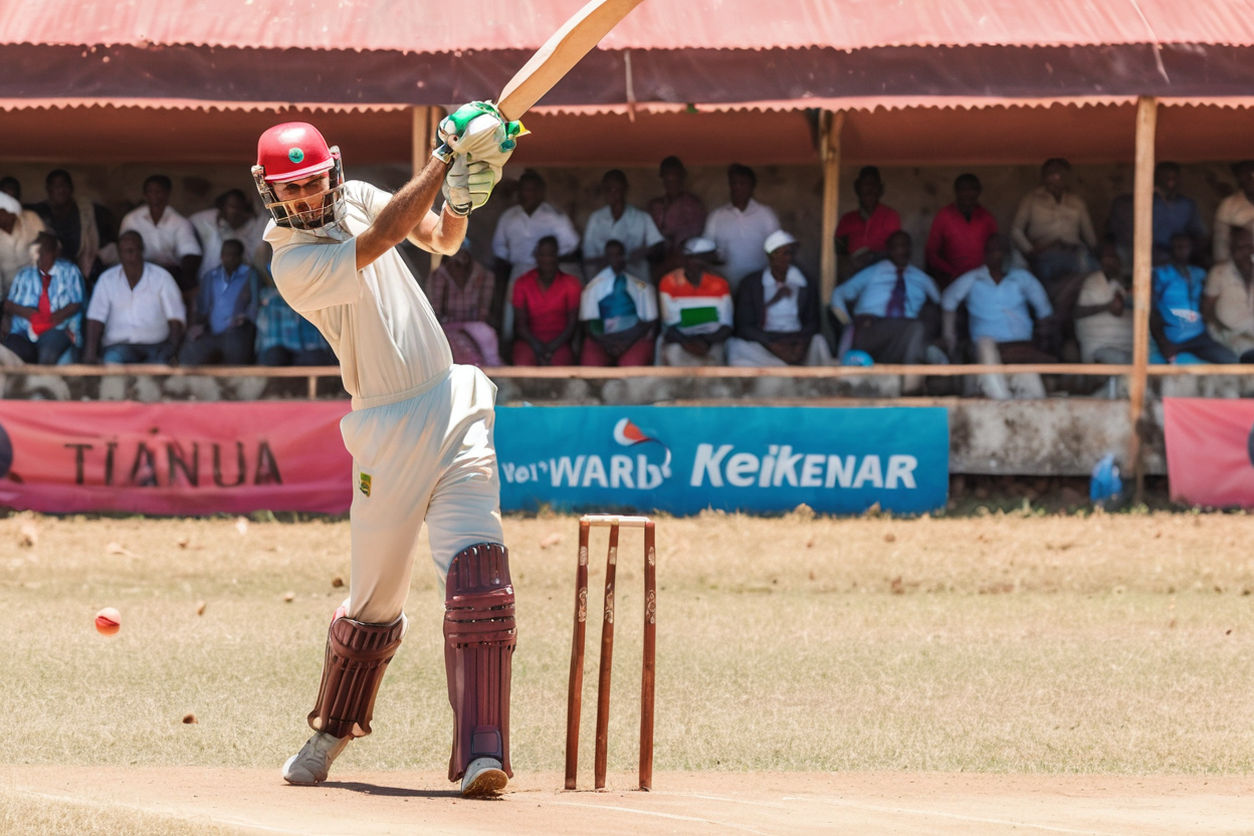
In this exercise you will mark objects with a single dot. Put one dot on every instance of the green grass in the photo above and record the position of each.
(1008, 643)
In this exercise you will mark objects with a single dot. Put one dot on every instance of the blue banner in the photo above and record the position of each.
(682, 460)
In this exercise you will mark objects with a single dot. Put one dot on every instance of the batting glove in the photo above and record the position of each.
(479, 132)
(468, 185)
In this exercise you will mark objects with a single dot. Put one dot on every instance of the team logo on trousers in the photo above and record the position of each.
(364, 483)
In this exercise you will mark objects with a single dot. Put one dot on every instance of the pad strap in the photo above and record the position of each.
(357, 655)
(479, 640)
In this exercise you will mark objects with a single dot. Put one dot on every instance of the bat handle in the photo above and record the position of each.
(443, 153)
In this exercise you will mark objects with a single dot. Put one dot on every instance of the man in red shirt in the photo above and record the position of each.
(959, 232)
(862, 234)
(546, 311)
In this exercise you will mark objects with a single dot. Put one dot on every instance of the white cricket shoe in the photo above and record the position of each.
(484, 778)
(310, 765)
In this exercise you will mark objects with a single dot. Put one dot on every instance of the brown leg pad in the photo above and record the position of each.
(479, 639)
(357, 656)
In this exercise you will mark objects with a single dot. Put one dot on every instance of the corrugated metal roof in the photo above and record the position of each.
(424, 26)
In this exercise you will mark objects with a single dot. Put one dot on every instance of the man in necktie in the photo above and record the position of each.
(888, 298)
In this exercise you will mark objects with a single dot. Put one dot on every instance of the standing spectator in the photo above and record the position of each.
(546, 311)
(284, 337)
(739, 228)
(1000, 305)
(889, 297)
(1053, 230)
(696, 309)
(19, 228)
(460, 291)
(618, 221)
(518, 230)
(1229, 302)
(46, 304)
(232, 217)
(12, 187)
(619, 314)
(136, 310)
(1235, 210)
(87, 230)
(169, 239)
(1174, 214)
(777, 313)
(677, 213)
(1103, 312)
(959, 231)
(862, 234)
(1176, 318)
(222, 328)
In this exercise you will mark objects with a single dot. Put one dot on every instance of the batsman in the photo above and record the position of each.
(420, 431)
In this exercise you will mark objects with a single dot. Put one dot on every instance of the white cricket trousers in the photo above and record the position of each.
(428, 457)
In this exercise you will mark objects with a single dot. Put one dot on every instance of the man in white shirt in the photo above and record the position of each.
(1237, 209)
(739, 228)
(231, 218)
(619, 314)
(169, 239)
(618, 221)
(518, 230)
(136, 310)
(18, 230)
(420, 431)
(777, 314)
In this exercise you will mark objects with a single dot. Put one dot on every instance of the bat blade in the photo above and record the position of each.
(560, 53)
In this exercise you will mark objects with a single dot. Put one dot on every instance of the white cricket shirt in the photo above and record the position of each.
(378, 321)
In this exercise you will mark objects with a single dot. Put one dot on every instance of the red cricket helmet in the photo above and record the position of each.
(293, 151)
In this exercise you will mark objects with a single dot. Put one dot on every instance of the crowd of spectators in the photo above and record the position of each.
(670, 283)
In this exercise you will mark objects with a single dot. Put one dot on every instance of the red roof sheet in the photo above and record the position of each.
(424, 27)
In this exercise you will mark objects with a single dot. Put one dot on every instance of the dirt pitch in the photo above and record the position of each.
(1008, 673)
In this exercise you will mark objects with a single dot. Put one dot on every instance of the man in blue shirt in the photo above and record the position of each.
(1001, 305)
(46, 306)
(222, 329)
(1176, 316)
(888, 297)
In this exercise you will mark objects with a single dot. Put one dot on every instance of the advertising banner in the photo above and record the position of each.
(174, 458)
(755, 459)
(1210, 451)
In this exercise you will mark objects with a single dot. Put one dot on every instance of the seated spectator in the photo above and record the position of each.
(777, 313)
(618, 221)
(696, 309)
(232, 217)
(889, 297)
(1053, 230)
(1103, 312)
(1176, 316)
(1174, 214)
(169, 239)
(619, 315)
(955, 244)
(460, 291)
(1228, 306)
(19, 228)
(739, 228)
(677, 213)
(87, 230)
(136, 310)
(284, 337)
(1235, 210)
(862, 234)
(1000, 305)
(546, 310)
(46, 305)
(222, 328)
(12, 187)
(518, 230)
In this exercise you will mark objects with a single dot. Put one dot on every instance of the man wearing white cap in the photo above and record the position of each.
(18, 230)
(696, 310)
(777, 313)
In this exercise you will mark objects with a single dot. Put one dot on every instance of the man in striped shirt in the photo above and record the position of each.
(696, 310)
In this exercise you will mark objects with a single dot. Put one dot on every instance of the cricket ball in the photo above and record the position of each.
(108, 621)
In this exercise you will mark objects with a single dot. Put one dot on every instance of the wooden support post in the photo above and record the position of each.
(1142, 244)
(425, 120)
(831, 125)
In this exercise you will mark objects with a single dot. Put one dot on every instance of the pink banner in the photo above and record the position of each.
(1210, 451)
(174, 458)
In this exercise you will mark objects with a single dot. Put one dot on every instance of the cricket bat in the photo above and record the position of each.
(562, 51)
